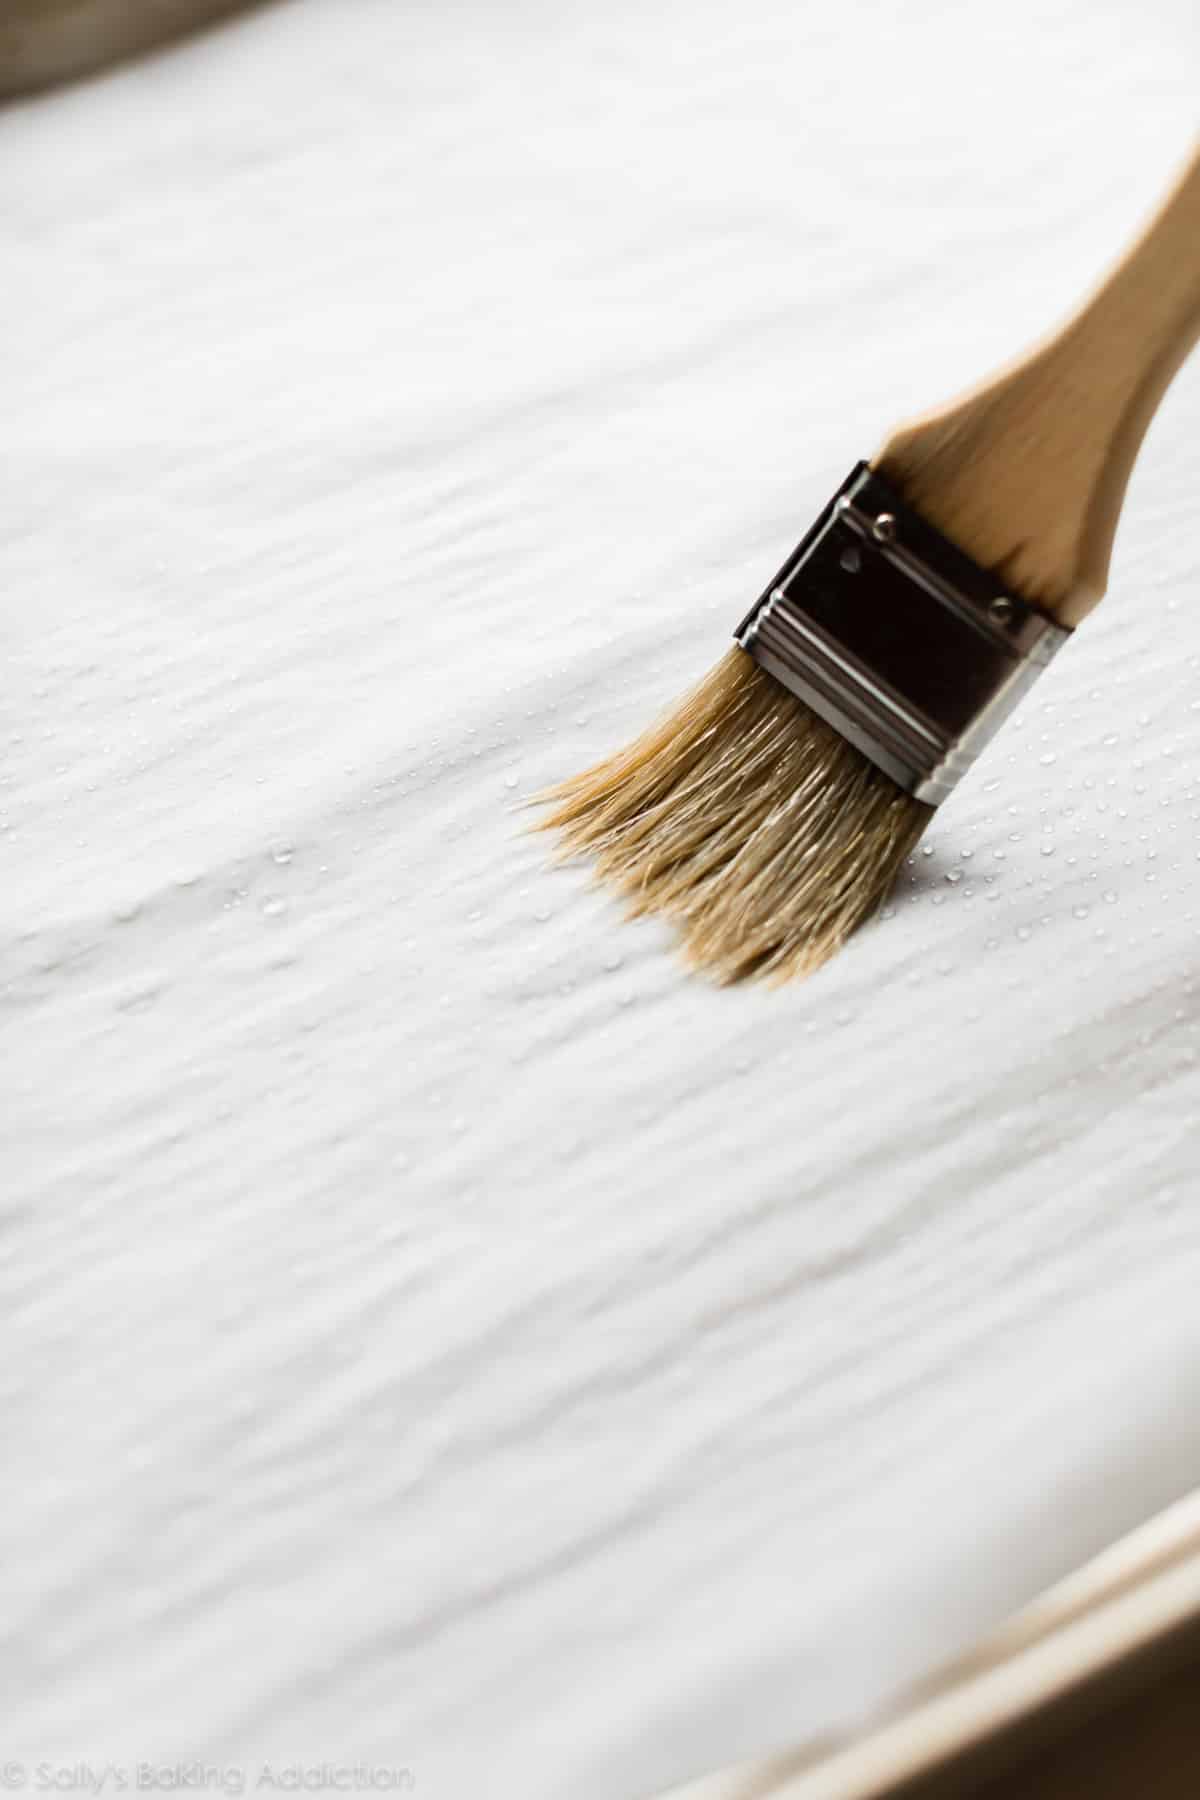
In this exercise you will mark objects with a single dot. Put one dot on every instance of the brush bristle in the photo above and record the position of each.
(748, 821)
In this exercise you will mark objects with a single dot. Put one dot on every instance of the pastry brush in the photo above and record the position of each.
(769, 813)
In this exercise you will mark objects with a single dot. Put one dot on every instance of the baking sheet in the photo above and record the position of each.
(438, 1331)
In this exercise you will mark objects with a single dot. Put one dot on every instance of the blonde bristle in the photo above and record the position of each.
(746, 820)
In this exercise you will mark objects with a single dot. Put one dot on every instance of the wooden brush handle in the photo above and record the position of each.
(1027, 473)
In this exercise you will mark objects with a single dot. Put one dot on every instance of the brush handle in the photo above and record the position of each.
(1028, 472)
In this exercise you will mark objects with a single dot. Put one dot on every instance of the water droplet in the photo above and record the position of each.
(510, 781)
(953, 876)
(1024, 931)
(1081, 912)
(1047, 849)
(274, 908)
(282, 857)
(1047, 759)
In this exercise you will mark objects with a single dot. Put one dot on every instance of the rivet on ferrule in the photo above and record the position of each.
(898, 639)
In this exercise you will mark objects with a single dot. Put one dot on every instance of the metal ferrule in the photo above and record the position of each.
(897, 639)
